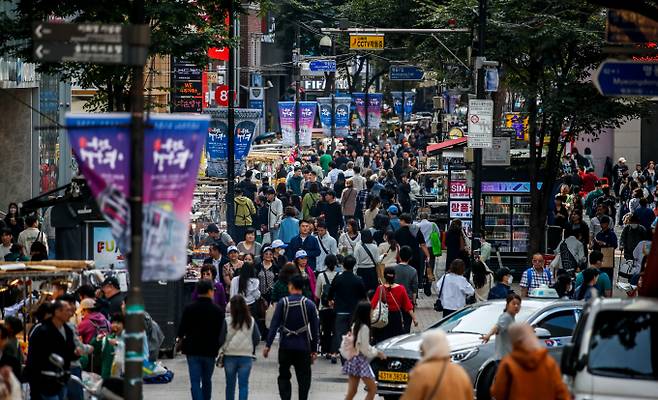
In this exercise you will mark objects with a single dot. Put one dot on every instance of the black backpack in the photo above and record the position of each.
(569, 262)
(324, 296)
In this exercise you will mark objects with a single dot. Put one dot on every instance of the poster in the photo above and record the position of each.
(461, 209)
(341, 115)
(106, 253)
(409, 100)
(375, 110)
(459, 189)
(499, 153)
(480, 123)
(246, 125)
(359, 99)
(172, 144)
(307, 110)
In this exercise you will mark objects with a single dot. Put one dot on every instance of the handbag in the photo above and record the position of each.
(438, 306)
(438, 382)
(220, 358)
(435, 240)
(379, 315)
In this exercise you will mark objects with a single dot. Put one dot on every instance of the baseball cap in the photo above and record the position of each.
(88, 304)
(232, 248)
(111, 281)
(278, 244)
(300, 254)
(212, 228)
(392, 210)
(621, 159)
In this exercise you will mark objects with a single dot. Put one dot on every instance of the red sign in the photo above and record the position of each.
(461, 209)
(221, 95)
(459, 190)
(218, 53)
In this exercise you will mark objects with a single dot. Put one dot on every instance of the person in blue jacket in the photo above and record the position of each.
(304, 241)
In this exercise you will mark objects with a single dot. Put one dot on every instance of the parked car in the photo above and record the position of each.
(614, 353)
(554, 321)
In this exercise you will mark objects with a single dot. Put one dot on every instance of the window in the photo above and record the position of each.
(559, 324)
(623, 345)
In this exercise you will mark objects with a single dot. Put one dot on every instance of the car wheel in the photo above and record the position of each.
(391, 397)
(484, 382)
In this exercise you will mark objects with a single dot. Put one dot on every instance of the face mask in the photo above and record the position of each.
(510, 280)
(634, 226)
(281, 251)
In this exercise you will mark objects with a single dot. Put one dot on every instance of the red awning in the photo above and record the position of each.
(432, 148)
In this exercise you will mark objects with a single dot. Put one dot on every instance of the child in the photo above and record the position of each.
(358, 367)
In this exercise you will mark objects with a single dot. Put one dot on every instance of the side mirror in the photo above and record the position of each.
(542, 333)
(566, 365)
(56, 360)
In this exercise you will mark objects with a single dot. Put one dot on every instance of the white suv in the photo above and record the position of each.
(614, 351)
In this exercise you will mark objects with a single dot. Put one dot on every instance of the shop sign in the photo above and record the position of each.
(460, 190)
(367, 42)
(499, 153)
(461, 209)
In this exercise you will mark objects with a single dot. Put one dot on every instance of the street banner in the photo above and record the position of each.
(341, 115)
(359, 99)
(307, 110)
(246, 125)
(287, 122)
(375, 110)
(172, 144)
(409, 99)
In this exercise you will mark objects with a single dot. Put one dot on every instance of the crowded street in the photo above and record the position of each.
(353, 199)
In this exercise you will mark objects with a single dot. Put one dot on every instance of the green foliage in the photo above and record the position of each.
(177, 28)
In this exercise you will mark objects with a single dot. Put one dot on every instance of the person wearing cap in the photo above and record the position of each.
(274, 215)
(279, 252)
(93, 322)
(232, 267)
(215, 236)
(619, 169)
(394, 221)
(112, 296)
(301, 262)
(304, 241)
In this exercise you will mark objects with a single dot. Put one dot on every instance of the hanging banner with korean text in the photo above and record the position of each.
(341, 115)
(359, 99)
(326, 111)
(246, 123)
(287, 122)
(307, 110)
(409, 100)
(172, 144)
(375, 110)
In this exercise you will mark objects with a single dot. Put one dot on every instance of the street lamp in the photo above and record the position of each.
(326, 46)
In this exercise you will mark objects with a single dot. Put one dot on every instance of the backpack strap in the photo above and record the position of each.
(326, 278)
(529, 277)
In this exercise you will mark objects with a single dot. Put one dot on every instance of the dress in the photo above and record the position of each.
(359, 365)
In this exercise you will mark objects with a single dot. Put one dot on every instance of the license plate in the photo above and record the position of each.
(393, 376)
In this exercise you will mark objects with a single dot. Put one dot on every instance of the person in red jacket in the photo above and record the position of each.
(528, 362)
(398, 302)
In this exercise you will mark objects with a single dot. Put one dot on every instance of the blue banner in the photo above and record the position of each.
(246, 124)
(409, 100)
(341, 115)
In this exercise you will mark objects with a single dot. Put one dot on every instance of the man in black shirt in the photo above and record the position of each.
(405, 236)
(248, 187)
(331, 212)
(347, 289)
(198, 333)
(112, 296)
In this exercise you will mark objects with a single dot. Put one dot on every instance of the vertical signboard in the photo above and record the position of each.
(187, 86)
(480, 123)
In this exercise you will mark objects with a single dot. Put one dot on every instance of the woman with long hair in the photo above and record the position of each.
(348, 200)
(349, 239)
(588, 288)
(246, 284)
(339, 185)
(482, 281)
(209, 273)
(455, 242)
(14, 221)
(367, 259)
(238, 342)
(389, 249)
(398, 302)
(371, 212)
(503, 345)
(358, 367)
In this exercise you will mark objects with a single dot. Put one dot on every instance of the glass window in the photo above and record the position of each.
(559, 324)
(621, 345)
(480, 318)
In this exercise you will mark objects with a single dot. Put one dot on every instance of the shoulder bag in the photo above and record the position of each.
(438, 381)
(379, 266)
(220, 358)
(379, 315)
(438, 306)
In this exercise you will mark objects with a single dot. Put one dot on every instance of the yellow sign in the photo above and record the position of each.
(367, 42)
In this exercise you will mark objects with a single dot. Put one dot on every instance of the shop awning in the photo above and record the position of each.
(447, 144)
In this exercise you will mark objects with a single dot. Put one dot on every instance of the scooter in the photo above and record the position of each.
(104, 390)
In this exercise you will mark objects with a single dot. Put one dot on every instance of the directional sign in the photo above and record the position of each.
(627, 78)
(405, 73)
(367, 42)
(322, 65)
(91, 43)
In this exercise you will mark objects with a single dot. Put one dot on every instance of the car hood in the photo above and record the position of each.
(408, 346)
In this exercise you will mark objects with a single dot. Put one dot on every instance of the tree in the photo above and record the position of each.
(178, 28)
(547, 51)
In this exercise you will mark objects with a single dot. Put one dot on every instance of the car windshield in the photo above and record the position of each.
(624, 345)
(480, 318)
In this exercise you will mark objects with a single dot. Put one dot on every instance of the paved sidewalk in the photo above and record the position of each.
(328, 382)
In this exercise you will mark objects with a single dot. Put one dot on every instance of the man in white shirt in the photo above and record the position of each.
(358, 181)
(274, 215)
(31, 234)
(328, 245)
(5, 248)
(349, 172)
(333, 173)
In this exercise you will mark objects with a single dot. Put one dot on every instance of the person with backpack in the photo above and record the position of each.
(328, 246)
(244, 213)
(296, 320)
(535, 276)
(327, 312)
(310, 201)
(358, 352)
(93, 322)
(570, 255)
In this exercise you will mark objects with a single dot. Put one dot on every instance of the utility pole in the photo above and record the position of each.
(333, 100)
(134, 337)
(296, 57)
(404, 101)
(232, 86)
(477, 152)
(367, 99)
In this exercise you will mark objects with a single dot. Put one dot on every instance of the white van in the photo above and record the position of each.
(614, 351)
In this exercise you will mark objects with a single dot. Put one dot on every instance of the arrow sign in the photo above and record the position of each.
(90, 53)
(91, 33)
(627, 78)
(405, 73)
(322, 66)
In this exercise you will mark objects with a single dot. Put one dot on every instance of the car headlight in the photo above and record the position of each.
(463, 355)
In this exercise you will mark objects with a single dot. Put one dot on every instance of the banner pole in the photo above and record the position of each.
(230, 165)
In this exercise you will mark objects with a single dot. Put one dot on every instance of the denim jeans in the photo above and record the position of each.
(201, 369)
(237, 367)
